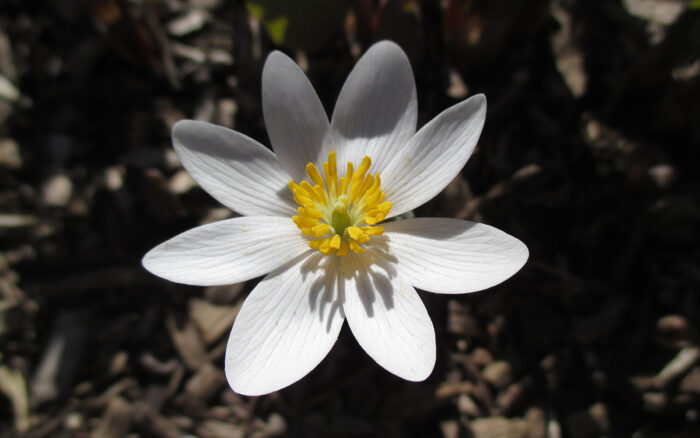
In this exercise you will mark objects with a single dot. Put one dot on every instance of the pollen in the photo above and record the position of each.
(340, 213)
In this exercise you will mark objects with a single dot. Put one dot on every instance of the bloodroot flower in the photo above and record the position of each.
(314, 219)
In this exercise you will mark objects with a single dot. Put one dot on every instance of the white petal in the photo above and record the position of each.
(388, 318)
(236, 170)
(294, 117)
(434, 156)
(376, 111)
(285, 328)
(226, 252)
(453, 256)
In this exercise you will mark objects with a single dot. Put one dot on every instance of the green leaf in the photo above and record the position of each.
(277, 28)
(308, 25)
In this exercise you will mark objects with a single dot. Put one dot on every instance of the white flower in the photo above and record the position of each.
(318, 234)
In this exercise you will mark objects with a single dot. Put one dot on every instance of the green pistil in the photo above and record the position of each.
(340, 220)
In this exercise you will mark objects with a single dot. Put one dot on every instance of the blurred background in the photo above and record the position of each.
(589, 155)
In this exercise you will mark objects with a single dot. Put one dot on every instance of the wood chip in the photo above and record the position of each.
(57, 191)
(679, 365)
(151, 423)
(467, 406)
(508, 399)
(591, 422)
(457, 89)
(537, 423)
(188, 344)
(10, 294)
(13, 386)
(226, 112)
(450, 429)
(212, 320)
(449, 389)
(7, 62)
(181, 182)
(112, 392)
(275, 425)
(206, 382)
(176, 379)
(481, 356)
(17, 220)
(8, 91)
(664, 12)
(194, 54)
(460, 321)
(119, 363)
(219, 429)
(9, 154)
(227, 294)
(674, 332)
(498, 373)
(154, 365)
(61, 357)
(499, 427)
(116, 421)
(188, 23)
(568, 57)
(691, 382)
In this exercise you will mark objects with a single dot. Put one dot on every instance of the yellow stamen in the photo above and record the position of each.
(355, 247)
(310, 212)
(344, 181)
(343, 251)
(335, 242)
(325, 246)
(373, 231)
(354, 232)
(314, 174)
(338, 212)
(320, 229)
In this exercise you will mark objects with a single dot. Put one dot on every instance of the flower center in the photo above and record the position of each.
(340, 212)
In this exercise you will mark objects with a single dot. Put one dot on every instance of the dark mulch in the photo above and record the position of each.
(590, 156)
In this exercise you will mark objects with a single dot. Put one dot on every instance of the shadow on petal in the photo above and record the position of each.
(325, 290)
(373, 272)
(428, 228)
